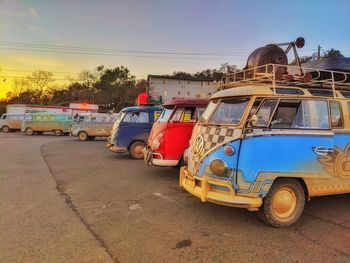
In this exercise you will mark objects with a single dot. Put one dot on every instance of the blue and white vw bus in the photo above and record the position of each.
(268, 142)
(131, 129)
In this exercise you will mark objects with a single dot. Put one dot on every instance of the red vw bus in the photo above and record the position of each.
(171, 133)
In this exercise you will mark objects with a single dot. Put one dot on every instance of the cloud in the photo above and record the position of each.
(56, 37)
(31, 12)
(36, 29)
(38, 62)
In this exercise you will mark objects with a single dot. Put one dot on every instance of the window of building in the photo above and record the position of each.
(188, 93)
(336, 114)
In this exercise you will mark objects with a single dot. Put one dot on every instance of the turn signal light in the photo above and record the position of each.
(228, 150)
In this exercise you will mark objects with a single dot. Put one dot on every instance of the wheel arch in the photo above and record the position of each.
(298, 179)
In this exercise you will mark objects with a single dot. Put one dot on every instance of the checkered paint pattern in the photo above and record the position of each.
(212, 136)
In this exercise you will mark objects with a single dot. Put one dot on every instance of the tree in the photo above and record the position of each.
(38, 81)
(332, 53)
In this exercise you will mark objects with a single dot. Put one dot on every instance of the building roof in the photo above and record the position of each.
(192, 78)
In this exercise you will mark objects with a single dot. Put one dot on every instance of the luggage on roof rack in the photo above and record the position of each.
(276, 75)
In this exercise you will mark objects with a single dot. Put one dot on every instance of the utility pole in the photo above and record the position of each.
(318, 52)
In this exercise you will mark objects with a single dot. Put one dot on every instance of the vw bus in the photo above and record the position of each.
(92, 126)
(11, 122)
(273, 138)
(131, 130)
(59, 124)
(171, 133)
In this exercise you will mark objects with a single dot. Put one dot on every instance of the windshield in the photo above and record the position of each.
(229, 111)
(165, 115)
(210, 108)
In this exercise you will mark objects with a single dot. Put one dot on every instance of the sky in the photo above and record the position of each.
(158, 36)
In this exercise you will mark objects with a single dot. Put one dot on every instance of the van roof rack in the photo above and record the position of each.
(276, 75)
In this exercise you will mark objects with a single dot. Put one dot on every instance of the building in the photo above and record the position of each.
(72, 109)
(165, 88)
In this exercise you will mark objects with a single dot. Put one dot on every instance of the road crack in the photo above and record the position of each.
(70, 204)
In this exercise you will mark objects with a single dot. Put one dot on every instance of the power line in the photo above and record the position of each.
(91, 49)
(110, 54)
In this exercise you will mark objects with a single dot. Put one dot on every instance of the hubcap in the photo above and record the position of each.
(284, 202)
(138, 149)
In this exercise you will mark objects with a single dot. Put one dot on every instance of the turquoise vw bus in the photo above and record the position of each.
(271, 139)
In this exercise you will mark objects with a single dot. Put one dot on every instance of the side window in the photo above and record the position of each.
(4, 117)
(177, 116)
(312, 114)
(189, 115)
(265, 111)
(136, 117)
(301, 114)
(336, 115)
(199, 112)
(38, 117)
(46, 117)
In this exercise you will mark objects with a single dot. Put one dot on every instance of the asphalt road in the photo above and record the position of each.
(62, 200)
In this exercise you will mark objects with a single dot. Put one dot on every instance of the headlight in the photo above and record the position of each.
(155, 144)
(156, 141)
(219, 167)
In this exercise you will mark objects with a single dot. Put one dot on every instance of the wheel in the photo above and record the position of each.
(83, 136)
(29, 131)
(135, 150)
(180, 164)
(284, 203)
(5, 129)
(57, 132)
(91, 138)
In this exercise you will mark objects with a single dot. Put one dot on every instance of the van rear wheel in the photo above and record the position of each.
(283, 204)
(83, 136)
(136, 150)
(5, 129)
(57, 132)
(29, 131)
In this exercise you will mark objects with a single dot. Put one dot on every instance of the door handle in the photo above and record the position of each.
(322, 151)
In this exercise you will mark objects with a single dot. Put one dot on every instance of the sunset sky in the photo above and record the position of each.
(157, 37)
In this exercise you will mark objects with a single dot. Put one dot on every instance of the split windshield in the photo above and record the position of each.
(165, 115)
(227, 111)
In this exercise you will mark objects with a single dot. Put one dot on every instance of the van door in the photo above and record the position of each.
(339, 164)
(179, 132)
(287, 139)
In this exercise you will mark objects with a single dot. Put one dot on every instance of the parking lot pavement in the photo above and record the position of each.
(119, 207)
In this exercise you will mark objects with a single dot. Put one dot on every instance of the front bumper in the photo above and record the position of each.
(116, 149)
(209, 190)
(148, 158)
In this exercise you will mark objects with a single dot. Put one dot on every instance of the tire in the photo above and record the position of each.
(57, 132)
(135, 150)
(5, 129)
(284, 203)
(29, 131)
(180, 164)
(83, 136)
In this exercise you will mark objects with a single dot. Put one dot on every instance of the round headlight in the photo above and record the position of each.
(218, 167)
(155, 144)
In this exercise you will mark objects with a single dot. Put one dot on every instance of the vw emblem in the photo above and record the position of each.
(198, 145)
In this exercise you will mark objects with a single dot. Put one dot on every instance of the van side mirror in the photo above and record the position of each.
(253, 120)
